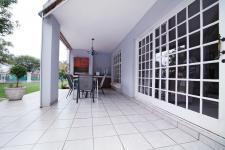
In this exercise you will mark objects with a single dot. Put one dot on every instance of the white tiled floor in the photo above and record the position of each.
(115, 122)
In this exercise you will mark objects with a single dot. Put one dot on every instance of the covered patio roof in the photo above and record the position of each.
(108, 23)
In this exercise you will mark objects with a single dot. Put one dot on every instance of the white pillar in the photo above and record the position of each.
(91, 64)
(49, 60)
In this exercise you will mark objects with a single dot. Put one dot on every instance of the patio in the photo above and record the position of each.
(115, 122)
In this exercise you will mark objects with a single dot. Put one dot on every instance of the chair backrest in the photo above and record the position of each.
(70, 81)
(85, 82)
(102, 81)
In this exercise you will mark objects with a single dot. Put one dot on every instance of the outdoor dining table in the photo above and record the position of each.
(75, 78)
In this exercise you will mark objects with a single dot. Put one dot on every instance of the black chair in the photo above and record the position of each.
(102, 83)
(71, 85)
(85, 84)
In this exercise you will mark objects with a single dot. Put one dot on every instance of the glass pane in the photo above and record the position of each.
(139, 44)
(172, 59)
(182, 44)
(194, 39)
(211, 33)
(156, 83)
(164, 61)
(211, 15)
(194, 104)
(211, 52)
(150, 92)
(157, 73)
(172, 34)
(157, 62)
(211, 89)
(150, 83)
(163, 28)
(163, 39)
(194, 87)
(143, 50)
(147, 48)
(172, 47)
(172, 85)
(182, 72)
(163, 73)
(181, 100)
(181, 86)
(194, 8)
(207, 3)
(210, 108)
(182, 30)
(157, 32)
(194, 23)
(150, 55)
(156, 42)
(194, 55)
(172, 72)
(143, 42)
(194, 72)
(163, 84)
(151, 37)
(172, 22)
(182, 58)
(181, 16)
(156, 93)
(211, 71)
(147, 56)
(171, 98)
(147, 39)
(163, 95)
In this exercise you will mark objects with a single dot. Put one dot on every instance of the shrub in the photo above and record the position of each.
(19, 71)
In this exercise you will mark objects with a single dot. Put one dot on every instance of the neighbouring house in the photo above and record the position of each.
(4, 71)
(164, 53)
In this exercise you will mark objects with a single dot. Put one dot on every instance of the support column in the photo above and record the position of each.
(91, 64)
(49, 61)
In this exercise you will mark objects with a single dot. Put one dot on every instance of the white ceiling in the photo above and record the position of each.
(108, 21)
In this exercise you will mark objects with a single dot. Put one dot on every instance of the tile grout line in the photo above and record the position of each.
(23, 129)
(114, 127)
(64, 143)
(49, 125)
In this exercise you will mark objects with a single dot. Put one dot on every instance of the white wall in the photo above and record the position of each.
(100, 62)
(127, 46)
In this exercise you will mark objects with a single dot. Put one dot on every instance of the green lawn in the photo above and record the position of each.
(30, 87)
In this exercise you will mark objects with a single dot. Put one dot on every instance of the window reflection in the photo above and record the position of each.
(194, 104)
(194, 87)
(182, 72)
(182, 44)
(172, 72)
(194, 55)
(181, 100)
(211, 89)
(181, 86)
(171, 98)
(194, 72)
(210, 108)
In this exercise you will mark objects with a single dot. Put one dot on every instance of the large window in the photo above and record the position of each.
(186, 65)
(145, 56)
(117, 68)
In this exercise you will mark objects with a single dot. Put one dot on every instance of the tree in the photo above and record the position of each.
(29, 62)
(6, 27)
(62, 73)
(5, 56)
(19, 71)
(6, 23)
